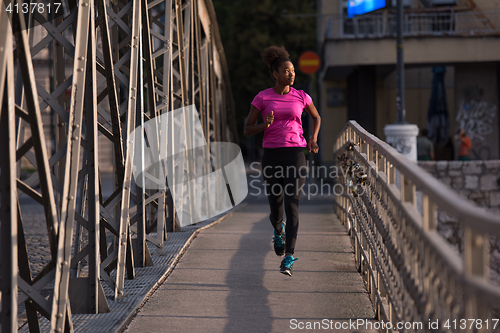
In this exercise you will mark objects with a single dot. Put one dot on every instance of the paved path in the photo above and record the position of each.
(228, 280)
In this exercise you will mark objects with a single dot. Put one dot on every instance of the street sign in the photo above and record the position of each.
(309, 62)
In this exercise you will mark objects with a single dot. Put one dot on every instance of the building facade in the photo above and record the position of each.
(452, 67)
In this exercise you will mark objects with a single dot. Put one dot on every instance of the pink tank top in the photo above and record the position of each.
(286, 130)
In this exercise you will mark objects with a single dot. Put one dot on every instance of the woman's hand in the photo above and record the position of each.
(313, 146)
(316, 123)
(269, 119)
(250, 126)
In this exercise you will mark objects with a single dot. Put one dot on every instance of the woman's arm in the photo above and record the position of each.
(251, 128)
(316, 123)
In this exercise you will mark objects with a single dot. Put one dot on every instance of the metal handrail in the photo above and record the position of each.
(380, 25)
(412, 273)
(466, 212)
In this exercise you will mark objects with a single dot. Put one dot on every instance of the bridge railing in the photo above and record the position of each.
(390, 207)
(439, 23)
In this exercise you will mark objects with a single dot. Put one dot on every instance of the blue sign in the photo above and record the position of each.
(359, 7)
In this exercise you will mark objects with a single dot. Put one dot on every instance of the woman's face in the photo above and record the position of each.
(286, 73)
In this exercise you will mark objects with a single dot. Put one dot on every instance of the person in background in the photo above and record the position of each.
(465, 145)
(425, 147)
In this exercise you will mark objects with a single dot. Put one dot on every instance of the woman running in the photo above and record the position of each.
(283, 161)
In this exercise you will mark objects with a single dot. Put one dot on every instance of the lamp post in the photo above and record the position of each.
(400, 63)
(401, 135)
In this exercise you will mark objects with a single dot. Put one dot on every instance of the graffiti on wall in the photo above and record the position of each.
(477, 117)
(402, 144)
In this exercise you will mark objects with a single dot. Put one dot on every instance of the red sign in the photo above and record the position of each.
(309, 62)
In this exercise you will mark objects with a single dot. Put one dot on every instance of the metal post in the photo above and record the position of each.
(400, 64)
(92, 163)
(401, 135)
(60, 302)
(8, 203)
(140, 256)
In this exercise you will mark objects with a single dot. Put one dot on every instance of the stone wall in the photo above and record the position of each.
(478, 181)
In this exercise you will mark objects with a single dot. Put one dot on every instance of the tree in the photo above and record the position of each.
(247, 28)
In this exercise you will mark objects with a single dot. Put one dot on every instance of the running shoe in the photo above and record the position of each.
(279, 242)
(286, 265)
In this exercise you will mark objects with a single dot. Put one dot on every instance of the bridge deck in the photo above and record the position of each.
(228, 280)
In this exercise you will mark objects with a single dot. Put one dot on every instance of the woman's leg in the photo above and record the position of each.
(294, 183)
(274, 188)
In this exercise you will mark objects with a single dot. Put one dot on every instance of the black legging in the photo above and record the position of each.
(284, 172)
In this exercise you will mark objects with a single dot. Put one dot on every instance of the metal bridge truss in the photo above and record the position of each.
(131, 62)
(412, 274)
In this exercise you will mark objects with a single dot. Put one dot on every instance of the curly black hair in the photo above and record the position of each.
(274, 56)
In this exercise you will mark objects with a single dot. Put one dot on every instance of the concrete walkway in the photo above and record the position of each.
(229, 281)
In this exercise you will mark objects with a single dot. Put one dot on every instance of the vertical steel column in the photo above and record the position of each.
(8, 203)
(112, 90)
(36, 127)
(33, 117)
(153, 145)
(5, 46)
(59, 67)
(201, 100)
(92, 148)
(139, 148)
(109, 261)
(182, 50)
(124, 233)
(161, 222)
(65, 234)
(167, 57)
(148, 60)
(167, 101)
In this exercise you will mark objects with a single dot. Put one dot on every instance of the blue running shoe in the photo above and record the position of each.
(279, 242)
(286, 265)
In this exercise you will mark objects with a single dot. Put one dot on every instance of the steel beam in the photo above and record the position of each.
(8, 203)
(65, 234)
(124, 237)
(93, 192)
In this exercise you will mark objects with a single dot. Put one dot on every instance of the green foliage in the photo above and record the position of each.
(247, 28)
